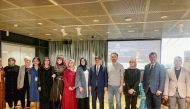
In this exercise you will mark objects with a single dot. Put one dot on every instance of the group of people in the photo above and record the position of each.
(65, 86)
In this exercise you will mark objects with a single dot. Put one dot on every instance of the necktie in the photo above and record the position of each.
(151, 69)
(97, 70)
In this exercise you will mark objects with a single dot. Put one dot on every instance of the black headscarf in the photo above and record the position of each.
(84, 67)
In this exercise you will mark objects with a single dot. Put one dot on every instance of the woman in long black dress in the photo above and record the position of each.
(132, 80)
(45, 84)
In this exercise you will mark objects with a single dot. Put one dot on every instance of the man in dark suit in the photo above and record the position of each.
(98, 82)
(153, 82)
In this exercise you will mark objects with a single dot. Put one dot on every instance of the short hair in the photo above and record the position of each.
(153, 53)
(98, 57)
(115, 53)
(27, 58)
(177, 57)
(133, 60)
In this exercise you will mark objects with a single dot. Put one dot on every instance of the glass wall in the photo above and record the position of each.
(17, 51)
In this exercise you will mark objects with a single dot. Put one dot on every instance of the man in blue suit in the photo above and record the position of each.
(98, 82)
(153, 82)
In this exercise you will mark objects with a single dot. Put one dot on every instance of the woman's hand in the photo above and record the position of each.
(81, 89)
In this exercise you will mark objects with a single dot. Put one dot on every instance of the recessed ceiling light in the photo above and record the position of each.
(156, 30)
(129, 26)
(96, 20)
(47, 34)
(40, 23)
(15, 25)
(131, 31)
(128, 19)
(164, 17)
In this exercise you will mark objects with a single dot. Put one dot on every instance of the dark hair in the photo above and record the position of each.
(38, 60)
(153, 53)
(84, 67)
(44, 61)
(98, 57)
(114, 54)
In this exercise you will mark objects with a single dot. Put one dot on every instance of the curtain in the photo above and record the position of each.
(78, 49)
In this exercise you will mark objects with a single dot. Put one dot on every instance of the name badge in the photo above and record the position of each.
(36, 78)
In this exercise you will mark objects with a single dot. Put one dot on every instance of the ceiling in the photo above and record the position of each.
(97, 19)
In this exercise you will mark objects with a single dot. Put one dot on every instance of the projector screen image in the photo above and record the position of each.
(139, 49)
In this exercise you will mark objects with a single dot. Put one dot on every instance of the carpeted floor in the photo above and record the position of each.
(105, 100)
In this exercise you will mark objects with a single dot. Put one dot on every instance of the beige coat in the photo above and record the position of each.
(21, 75)
(183, 82)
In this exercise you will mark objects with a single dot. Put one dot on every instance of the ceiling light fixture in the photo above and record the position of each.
(131, 31)
(127, 19)
(40, 23)
(48, 34)
(164, 17)
(15, 25)
(63, 32)
(96, 20)
(78, 31)
(129, 26)
(156, 30)
(53, 2)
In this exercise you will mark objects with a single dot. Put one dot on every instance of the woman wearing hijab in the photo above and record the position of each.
(81, 85)
(57, 88)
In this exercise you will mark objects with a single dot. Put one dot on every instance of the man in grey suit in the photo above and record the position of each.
(153, 82)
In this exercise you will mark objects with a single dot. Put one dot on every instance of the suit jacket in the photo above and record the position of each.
(182, 83)
(156, 80)
(132, 80)
(21, 75)
(81, 82)
(101, 78)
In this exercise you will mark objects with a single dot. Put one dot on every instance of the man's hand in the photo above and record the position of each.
(158, 93)
(120, 89)
(165, 97)
(105, 89)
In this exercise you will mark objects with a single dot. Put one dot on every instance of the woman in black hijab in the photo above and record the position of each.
(81, 84)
